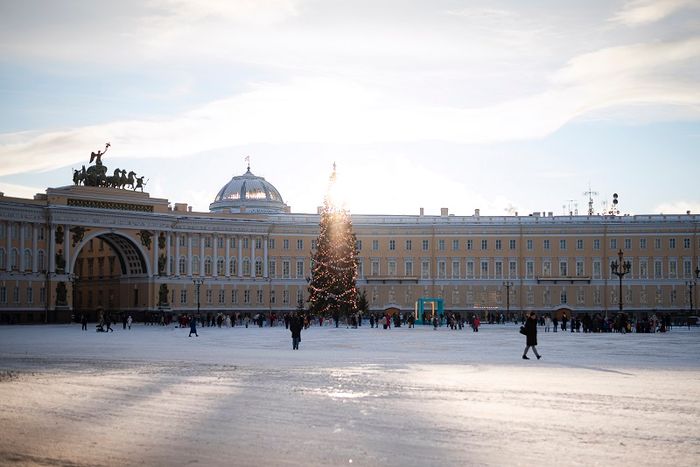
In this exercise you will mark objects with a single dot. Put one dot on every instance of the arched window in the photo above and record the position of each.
(233, 267)
(27, 259)
(258, 267)
(195, 265)
(220, 267)
(182, 265)
(13, 260)
(246, 267)
(207, 266)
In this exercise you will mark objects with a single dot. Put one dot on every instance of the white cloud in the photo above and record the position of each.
(641, 12)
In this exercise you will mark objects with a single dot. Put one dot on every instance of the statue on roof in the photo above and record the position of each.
(97, 156)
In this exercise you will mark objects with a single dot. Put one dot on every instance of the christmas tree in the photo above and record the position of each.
(332, 288)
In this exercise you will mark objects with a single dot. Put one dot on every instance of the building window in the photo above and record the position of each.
(207, 266)
(408, 266)
(613, 244)
(455, 269)
(563, 269)
(233, 267)
(642, 243)
(271, 243)
(545, 244)
(470, 244)
(484, 244)
(596, 244)
(182, 265)
(658, 269)
(546, 268)
(512, 269)
(195, 265)
(470, 269)
(2, 258)
(234, 296)
(409, 245)
(579, 268)
(392, 245)
(183, 297)
(207, 242)
(285, 269)
(285, 297)
(375, 245)
(657, 243)
(562, 297)
(314, 244)
(300, 244)
(300, 295)
(579, 244)
(209, 295)
(285, 244)
(498, 244)
(220, 266)
(375, 267)
(391, 268)
(672, 268)
(272, 268)
(425, 245)
(221, 297)
(499, 269)
(687, 268)
(300, 269)
(246, 296)
(258, 267)
(3, 295)
(484, 269)
(245, 243)
(643, 269)
(246, 267)
(530, 269)
(511, 244)
(442, 269)
(628, 244)
(425, 269)
(259, 294)
(358, 245)
(455, 245)
(672, 243)
(273, 298)
(30, 295)
(360, 268)
(441, 245)
(686, 243)
(562, 244)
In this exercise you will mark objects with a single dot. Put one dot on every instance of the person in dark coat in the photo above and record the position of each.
(295, 325)
(531, 336)
(193, 327)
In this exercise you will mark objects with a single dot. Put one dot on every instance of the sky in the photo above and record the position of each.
(503, 106)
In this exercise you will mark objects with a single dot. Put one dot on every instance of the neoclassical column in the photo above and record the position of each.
(240, 256)
(51, 250)
(168, 257)
(177, 254)
(21, 247)
(8, 237)
(202, 272)
(189, 254)
(215, 258)
(265, 242)
(227, 269)
(35, 248)
(252, 256)
(156, 234)
(66, 247)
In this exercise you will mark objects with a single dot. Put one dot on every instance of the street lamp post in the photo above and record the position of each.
(692, 283)
(197, 284)
(507, 285)
(620, 269)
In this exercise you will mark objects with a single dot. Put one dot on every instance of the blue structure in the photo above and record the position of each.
(434, 306)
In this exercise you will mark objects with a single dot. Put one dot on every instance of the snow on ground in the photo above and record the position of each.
(399, 397)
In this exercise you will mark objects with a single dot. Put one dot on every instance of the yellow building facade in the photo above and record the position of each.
(78, 249)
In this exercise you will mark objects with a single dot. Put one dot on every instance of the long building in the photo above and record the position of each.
(77, 249)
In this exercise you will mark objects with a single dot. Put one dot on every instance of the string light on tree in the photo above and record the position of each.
(332, 285)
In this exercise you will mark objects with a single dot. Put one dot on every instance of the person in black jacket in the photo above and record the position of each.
(295, 325)
(531, 336)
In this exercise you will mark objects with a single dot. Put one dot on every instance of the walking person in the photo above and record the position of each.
(129, 320)
(295, 325)
(83, 321)
(193, 327)
(531, 336)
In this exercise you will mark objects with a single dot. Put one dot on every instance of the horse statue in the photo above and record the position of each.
(130, 179)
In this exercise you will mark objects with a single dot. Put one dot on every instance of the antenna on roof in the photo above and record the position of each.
(590, 193)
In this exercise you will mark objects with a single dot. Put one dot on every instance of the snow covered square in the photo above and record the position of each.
(362, 397)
